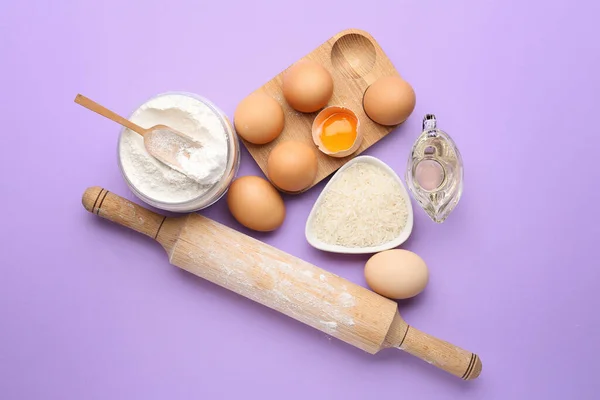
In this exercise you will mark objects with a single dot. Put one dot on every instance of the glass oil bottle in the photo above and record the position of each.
(435, 171)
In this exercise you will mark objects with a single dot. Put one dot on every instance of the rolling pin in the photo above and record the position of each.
(278, 280)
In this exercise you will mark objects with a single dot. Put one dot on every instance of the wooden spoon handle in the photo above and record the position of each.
(450, 358)
(121, 211)
(105, 112)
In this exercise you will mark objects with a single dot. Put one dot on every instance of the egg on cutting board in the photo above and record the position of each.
(389, 100)
(292, 166)
(259, 118)
(307, 86)
(256, 204)
(396, 274)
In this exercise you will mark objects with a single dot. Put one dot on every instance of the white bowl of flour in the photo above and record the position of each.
(161, 186)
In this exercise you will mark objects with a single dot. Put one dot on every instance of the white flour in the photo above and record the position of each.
(202, 164)
(160, 182)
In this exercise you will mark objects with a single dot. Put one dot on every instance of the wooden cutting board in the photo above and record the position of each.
(355, 60)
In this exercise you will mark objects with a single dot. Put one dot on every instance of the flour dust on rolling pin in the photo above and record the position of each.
(287, 284)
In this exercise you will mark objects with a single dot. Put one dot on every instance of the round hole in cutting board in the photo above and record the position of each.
(354, 55)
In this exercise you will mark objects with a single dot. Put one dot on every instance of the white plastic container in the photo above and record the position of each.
(401, 238)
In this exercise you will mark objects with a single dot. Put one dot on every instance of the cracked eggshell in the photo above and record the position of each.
(317, 127)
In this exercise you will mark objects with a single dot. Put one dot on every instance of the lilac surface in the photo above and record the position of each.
(91, 310)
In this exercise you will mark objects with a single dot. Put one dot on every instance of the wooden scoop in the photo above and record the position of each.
(162, 142)
(282, 282)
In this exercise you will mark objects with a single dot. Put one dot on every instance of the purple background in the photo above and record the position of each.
(89, 310)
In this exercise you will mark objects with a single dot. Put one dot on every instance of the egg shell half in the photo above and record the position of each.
(317, 127)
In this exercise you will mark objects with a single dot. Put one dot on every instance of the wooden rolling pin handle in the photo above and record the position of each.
(121, 211)
(450, 358)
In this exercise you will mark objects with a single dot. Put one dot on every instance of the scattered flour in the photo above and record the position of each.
(346, 299)
(329, 325)
(307, 273)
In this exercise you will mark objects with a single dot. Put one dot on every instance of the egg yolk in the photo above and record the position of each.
(338, 132)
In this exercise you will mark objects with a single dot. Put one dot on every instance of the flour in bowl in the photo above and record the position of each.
(192, 117)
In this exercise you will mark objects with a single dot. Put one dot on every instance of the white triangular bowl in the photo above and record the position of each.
(316, 243)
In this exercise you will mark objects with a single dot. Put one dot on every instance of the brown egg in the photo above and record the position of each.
(258, 118)
(256, 204)
(292, 166)
(396, 274)
(307, 86)
(389, 100)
